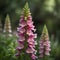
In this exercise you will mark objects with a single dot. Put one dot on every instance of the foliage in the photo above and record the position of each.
(7, 47)
(43, 12)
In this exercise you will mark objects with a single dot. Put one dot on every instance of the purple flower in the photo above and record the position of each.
(44, 43)
(33, 56)
(25, 34)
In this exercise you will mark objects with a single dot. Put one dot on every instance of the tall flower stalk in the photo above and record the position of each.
(7, 27)
(26, 36)
(44, 43)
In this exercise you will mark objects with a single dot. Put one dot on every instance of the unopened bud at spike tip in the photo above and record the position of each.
(26, 11)
(45, 30)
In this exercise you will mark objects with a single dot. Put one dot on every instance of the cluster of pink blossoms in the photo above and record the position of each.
(26, 42)
(44, 43)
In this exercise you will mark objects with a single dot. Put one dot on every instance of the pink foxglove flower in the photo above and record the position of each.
(44, 43)
(26, 34)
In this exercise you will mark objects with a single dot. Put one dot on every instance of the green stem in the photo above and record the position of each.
(27, 56)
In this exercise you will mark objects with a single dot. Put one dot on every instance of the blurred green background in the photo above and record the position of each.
(43, 12)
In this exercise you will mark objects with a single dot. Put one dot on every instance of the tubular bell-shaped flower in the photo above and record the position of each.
(7, 27)
(44, 43)
(26, 42)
